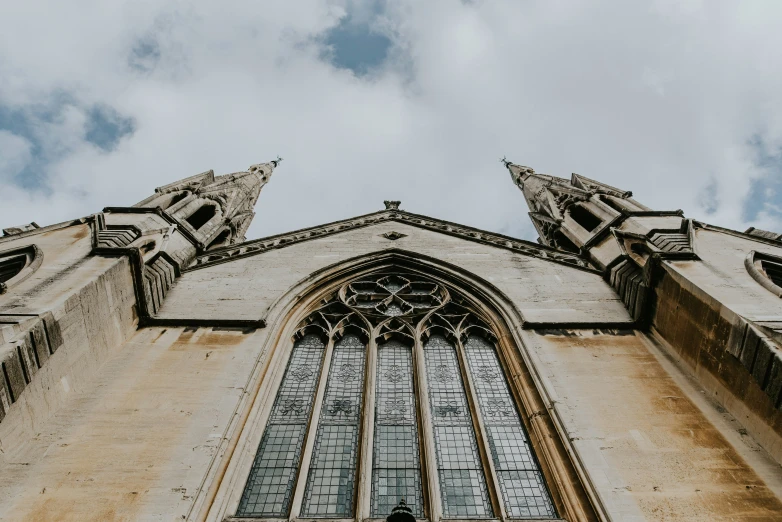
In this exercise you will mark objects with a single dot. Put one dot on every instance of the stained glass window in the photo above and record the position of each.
(382, 307)
(270, 486)
(523, 490)
(332, 474)
(462, 482)
(396, 462)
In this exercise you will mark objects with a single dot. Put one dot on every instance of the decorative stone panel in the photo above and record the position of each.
(159, 276)
(117, 236)
(627, 278)
(672, 242)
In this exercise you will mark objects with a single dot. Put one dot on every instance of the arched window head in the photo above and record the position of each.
(201, 216)
(584, 217)
(766, 270)
(423, 364)
(17, 265)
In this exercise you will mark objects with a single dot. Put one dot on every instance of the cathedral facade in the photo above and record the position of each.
(158, 366)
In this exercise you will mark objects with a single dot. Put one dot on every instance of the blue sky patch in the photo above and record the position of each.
(765, 193)
(356, 44)
(104, 128)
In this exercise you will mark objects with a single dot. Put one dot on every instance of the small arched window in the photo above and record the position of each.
(432, 403)
(584, 217)
(766, 270)
(17, 265)
(201, 216)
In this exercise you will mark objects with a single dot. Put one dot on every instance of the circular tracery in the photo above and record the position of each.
(393, 295)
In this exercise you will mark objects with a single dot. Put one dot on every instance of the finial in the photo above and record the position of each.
(392, 205)
(277, 161)
(505, 161)
(401, 513)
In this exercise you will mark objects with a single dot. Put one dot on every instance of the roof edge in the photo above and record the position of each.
(258, 246)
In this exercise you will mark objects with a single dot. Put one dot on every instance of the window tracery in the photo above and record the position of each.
(766, 270)
(18, 264)
(389, 328)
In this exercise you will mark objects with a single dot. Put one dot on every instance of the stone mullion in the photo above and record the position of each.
(431, 478)
(309, 444)
(483, 438)
(364, 496)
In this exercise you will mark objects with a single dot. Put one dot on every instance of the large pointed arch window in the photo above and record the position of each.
(395, 389)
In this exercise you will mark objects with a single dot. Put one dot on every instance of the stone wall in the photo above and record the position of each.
(653, 445)
(543, 291)
(710, 314)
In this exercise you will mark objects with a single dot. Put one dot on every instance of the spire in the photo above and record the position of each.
(546, 195)
(568, 213)
(216, 210)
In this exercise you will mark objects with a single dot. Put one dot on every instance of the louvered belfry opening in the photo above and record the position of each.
(201, 217)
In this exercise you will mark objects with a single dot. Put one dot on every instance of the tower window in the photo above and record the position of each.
(201, 217)
(584, 217)
(310, 459)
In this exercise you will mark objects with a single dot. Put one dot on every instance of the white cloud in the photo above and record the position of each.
(661, 100)
(15, 154)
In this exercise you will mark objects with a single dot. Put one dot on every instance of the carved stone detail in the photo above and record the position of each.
(393, 236)
(117, 236)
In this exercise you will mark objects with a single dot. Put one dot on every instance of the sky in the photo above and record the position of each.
(679, 101)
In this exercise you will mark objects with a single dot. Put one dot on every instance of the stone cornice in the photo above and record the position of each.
(258, 246)
(736, 233)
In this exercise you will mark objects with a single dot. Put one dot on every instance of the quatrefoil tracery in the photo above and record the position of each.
(393, 295)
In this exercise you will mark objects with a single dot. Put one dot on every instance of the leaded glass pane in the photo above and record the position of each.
(270, 486)
(332, 474)
(523, 490)
(462, 481)
(396, 463)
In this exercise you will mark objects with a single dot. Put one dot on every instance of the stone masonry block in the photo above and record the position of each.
(12, 370)
(24, 347)
(736, 338)
(763, 358)
(38, 337)
(52, 331)
(774, 385)
(751, 341)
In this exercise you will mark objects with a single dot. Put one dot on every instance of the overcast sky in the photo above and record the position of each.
(679, 101)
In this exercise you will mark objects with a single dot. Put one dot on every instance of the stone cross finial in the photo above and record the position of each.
(505, 161)
(277, 161)
(392, 205)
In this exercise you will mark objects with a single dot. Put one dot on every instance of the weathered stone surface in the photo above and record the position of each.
(245, 288)
(102, 420)
(643, 433)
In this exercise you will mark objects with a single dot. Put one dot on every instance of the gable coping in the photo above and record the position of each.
(258, 246)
